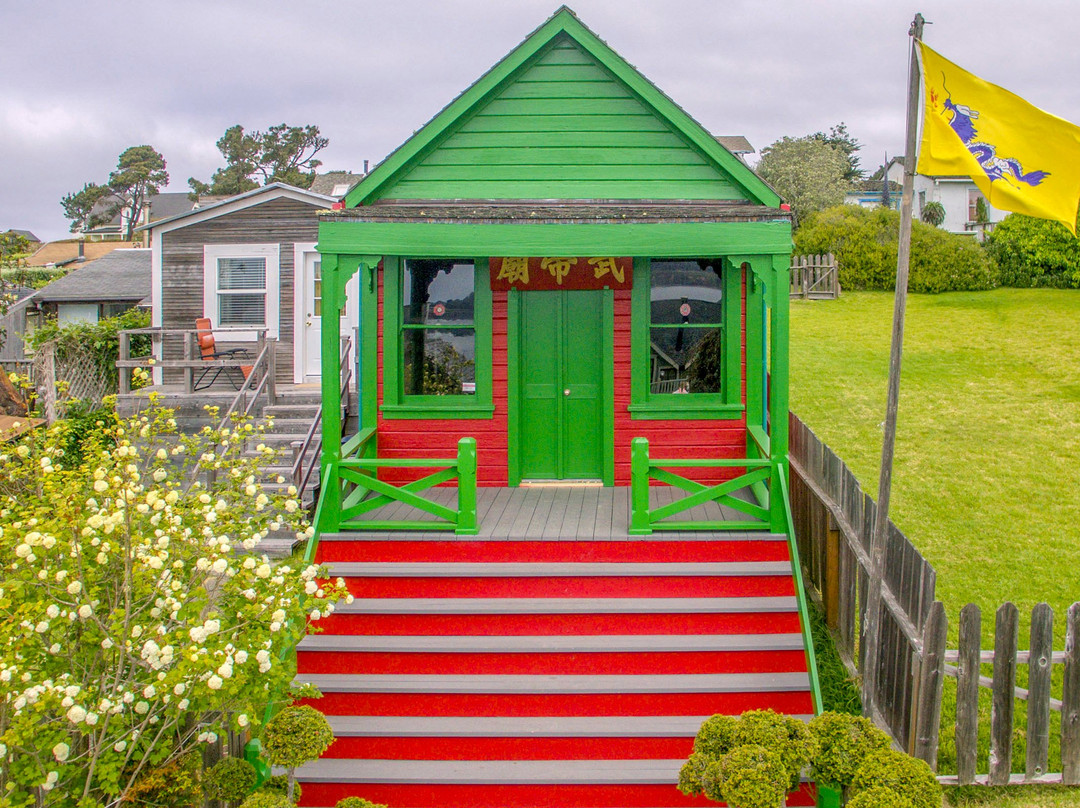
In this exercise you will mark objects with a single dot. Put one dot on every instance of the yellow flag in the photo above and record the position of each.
(1021, 158)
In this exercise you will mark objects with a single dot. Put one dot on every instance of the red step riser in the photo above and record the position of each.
(560, 704)
(553, 551)
(607, 587)
(553, 663)
(510, 748)
(543, 624)
(518, 796)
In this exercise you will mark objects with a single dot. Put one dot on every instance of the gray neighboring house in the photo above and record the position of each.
(98, 289)
(248, 263)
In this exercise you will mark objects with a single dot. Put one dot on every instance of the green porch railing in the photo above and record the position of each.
(360, 491)
(644, 520)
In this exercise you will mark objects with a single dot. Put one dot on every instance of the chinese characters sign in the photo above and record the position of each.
(547, 274)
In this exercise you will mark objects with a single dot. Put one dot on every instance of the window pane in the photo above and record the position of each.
(439, 362)
(686, 360)
(241, 273)
(316, 295)
(438, 292)
(686, 292)
(242, 309)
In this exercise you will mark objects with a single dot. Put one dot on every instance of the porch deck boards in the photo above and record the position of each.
(554, 513)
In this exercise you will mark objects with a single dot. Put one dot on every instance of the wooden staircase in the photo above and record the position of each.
(527, 673)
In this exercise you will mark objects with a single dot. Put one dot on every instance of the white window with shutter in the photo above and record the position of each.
(241, 287)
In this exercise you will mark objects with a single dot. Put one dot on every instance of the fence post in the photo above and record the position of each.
(48, 381)
(1038, 705)
(271, 370)
(967, 693)
(1070, 700)
(1001, 713)
(639, 487)
(466, 467)
(931, 680)
(124, 350)
(189, 356)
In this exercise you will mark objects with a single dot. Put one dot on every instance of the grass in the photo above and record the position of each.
(988, 447)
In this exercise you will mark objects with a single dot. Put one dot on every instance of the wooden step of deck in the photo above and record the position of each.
(484, 672)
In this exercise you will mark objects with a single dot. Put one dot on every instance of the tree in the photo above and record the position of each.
(840, 139)
(140, 173)
(933, 213)
(136, 623)
(807, 172)
(280, 154)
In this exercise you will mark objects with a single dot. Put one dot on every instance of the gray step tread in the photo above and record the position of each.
(648, 726)
(495, 772)
(548, 684)
(389, 569)
(566, 605)
(600, 643)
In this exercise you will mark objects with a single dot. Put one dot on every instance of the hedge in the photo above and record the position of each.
(1035, 252)
(864, 241)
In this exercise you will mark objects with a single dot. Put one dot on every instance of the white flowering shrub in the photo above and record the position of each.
(137, 621)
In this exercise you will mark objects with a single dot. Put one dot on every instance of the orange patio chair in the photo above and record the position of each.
(208, 351)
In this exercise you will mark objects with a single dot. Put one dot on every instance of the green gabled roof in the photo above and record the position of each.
(562, 117)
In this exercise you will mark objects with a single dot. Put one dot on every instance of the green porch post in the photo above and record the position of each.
(778, 389)
(333, 298)
(755, 349)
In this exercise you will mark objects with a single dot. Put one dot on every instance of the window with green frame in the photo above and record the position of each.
(686, 339)
(436, 338)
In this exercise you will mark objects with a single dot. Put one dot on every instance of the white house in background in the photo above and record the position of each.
(958, 195)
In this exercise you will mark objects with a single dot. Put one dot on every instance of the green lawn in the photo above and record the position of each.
(988, 444)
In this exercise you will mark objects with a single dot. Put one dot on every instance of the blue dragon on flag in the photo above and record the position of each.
(996, 168)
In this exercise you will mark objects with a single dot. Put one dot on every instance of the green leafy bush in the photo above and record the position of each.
(229, 779)
(879, 797)
(717, 736)
(99, 340)
(267, 799)
(864, 242)
(172, 785)
(905, 775)
(279, 784)
(752, 776)
(844, 741)
(357, 802)
(785, 735)
(294, 736)
(1035, 252)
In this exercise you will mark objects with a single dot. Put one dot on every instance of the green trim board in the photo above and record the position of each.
(562, 72)
(396, 404)
(445, 239)
(561, 408)
(646, 405)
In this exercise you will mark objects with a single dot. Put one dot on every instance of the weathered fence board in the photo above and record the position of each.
(931, 681)
(814, 277)
(967, 693)
(1006, 634)
(1070, 700)
(1041, 649)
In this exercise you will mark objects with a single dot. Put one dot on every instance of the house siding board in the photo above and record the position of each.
(564, 128)
(278, 221)
(439, 437)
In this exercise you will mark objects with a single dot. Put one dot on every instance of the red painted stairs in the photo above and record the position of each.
(529, 674)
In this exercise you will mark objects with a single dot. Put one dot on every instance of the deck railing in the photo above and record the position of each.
(360, 492)
(757, 475)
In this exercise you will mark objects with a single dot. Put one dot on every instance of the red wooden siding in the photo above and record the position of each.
(439, 437)
(674, 438)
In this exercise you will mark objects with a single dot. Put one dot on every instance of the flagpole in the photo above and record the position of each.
(871, 633)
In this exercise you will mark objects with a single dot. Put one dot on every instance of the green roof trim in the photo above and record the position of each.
(561, 26)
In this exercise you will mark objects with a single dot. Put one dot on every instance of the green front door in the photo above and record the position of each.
(562, 391)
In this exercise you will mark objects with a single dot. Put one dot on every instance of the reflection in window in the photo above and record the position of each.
(438, 327)
(685, 326)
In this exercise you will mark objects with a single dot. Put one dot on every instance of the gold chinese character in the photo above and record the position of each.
(558, 267)
(514, 270)
(602, 266)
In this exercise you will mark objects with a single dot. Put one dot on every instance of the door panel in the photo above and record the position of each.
(562, 367)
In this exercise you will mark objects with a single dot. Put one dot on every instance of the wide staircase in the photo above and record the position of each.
(520, 674)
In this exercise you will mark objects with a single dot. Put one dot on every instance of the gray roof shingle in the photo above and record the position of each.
(120, 275)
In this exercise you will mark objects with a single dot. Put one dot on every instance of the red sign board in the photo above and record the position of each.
(548, 274)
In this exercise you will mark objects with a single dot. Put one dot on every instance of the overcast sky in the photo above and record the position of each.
(81, 80)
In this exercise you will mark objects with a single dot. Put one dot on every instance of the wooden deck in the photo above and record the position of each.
(556, 513)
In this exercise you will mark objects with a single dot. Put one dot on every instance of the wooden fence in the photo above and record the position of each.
(1040, 658)
(833, 521)
(814, 277)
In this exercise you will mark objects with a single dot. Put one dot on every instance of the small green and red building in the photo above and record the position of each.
(564, 280)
